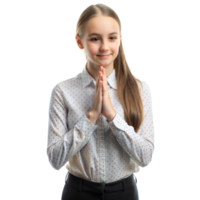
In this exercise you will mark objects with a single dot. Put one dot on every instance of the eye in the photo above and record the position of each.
(93, 38)
(97, 38)
(114, 37)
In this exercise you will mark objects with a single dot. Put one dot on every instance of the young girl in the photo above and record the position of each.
(101, 122)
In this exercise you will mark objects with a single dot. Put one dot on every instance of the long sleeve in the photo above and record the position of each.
(100, 152)
(63, 143)
(140, 145)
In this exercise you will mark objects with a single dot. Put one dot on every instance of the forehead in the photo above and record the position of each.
(102, 25)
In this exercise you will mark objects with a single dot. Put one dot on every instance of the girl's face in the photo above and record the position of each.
(101, 37)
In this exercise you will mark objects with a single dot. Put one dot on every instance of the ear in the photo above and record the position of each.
(120, 36)
(78, 42)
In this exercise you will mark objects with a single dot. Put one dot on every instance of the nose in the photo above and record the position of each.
(104, 46)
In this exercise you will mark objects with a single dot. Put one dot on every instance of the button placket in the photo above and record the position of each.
(101, 150)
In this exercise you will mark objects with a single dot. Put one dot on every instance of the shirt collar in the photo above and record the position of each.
(87, 79)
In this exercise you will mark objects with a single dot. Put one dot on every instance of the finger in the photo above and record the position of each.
(97, 84)
(100, 89)
(100, 74)
(101, 68)
(103, 78)
(103, 74)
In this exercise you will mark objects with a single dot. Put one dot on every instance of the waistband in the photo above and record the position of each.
(99, 188)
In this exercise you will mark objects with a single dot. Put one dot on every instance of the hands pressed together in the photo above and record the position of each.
(102, 103)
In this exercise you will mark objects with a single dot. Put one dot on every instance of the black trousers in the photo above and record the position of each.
(76, 188)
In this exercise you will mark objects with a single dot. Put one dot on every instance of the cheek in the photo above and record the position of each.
(115, 49)
(92, 48)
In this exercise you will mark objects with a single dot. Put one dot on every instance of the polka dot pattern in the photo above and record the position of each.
(101, 152)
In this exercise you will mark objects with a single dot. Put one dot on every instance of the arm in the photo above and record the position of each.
(140, 145)
(62, 143)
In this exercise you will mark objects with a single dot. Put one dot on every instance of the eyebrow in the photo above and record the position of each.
(99, 34)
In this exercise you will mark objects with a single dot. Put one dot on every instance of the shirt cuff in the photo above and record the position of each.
(116, 118)
(112, 120)
(118, 124)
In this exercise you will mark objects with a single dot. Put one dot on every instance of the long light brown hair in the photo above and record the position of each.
(127, 84)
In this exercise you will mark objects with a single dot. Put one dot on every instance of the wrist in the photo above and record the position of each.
(111, 117)
(92, 117)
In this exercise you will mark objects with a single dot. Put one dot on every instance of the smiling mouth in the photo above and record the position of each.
(103, 56)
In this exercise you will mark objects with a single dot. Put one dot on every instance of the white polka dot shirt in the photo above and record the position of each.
(101, 152)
